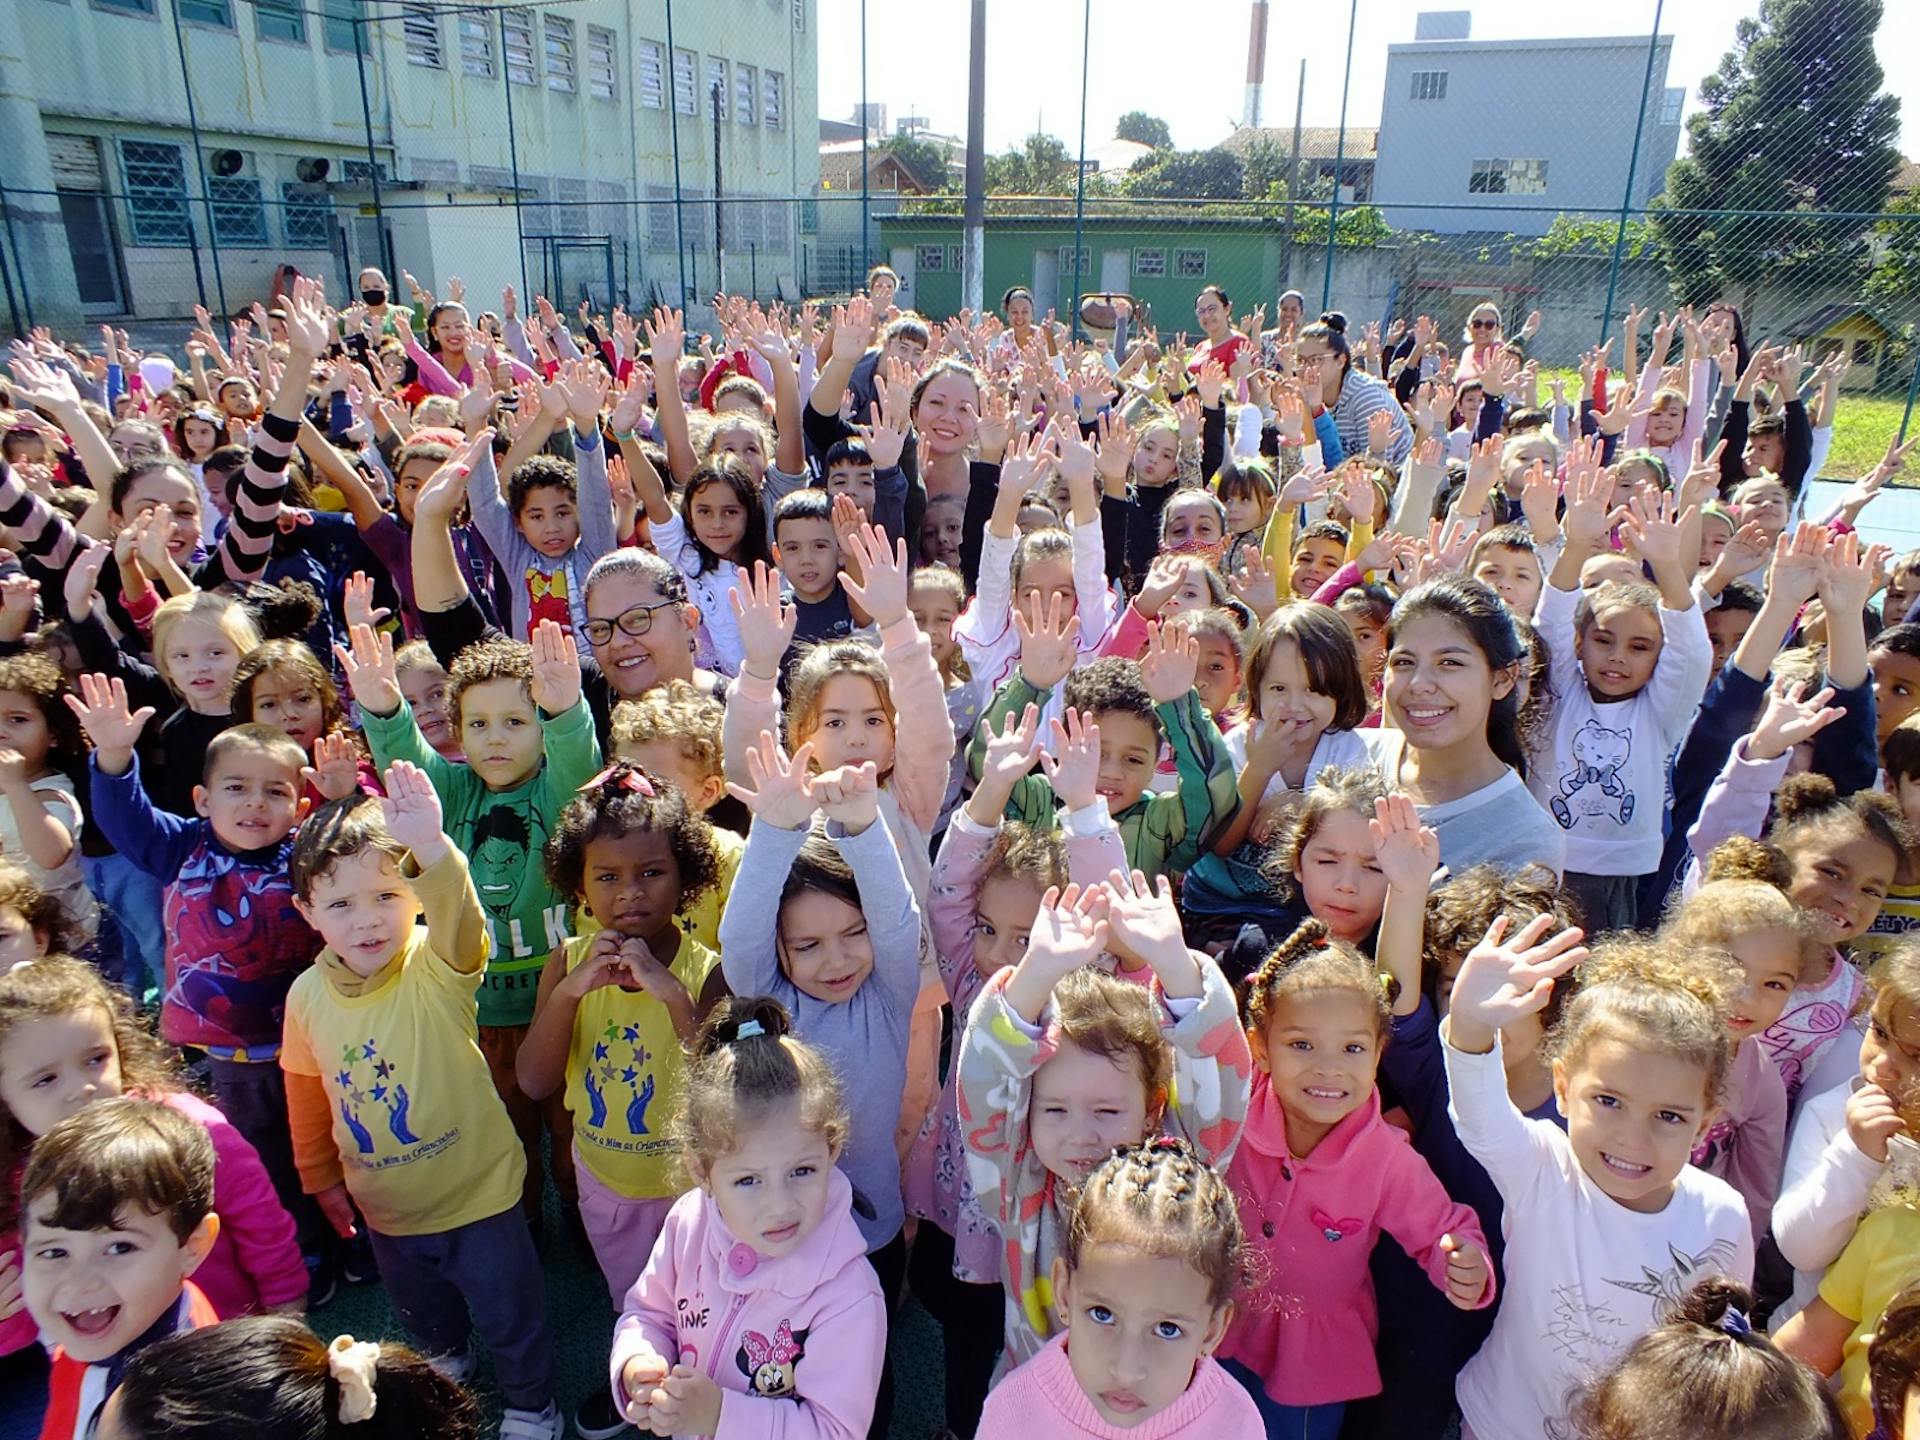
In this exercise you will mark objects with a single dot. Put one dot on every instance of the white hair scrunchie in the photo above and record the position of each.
(351, 1363)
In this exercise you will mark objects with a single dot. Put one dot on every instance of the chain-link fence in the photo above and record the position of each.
(167, 152)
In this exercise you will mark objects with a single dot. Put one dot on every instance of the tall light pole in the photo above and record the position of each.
(974, 222)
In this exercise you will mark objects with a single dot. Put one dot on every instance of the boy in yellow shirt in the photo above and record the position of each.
(390, 1099)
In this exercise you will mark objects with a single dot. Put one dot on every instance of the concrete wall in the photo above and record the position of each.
(1571, 103)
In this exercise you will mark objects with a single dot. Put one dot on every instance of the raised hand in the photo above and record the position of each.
(1028, 461)
(308, 332)
(1799, 564)
(1171, 662)
(1505, 980)
(1143, 920)
(666, 341)
(1257, 584)
(1790, 717)
(766, 621)
(585, 384)
(1114, 458)
(356, 602)
(782, 789)
(881, 590)
(1587, 521)
(1049, 640)
(1009, 755)
(1407, 851)
(556, 669)
(372, 677)
(101, 708)
(81, 587)
(1849, 576)
(1309, 482)
(19, 595)
(849, 796)
(1074, 770)
(1656, 528)
(411, 810)
(335, 771)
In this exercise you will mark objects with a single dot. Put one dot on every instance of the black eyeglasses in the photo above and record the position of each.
(635, 622)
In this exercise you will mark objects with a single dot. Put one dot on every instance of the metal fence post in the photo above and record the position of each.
(1080, 183)
(7, 268)
(1913, 390)
(673, 119)
(866, 125)
(513, 157)
(1633, 167)
(1339, 161)
(200, 162)
(373, 156)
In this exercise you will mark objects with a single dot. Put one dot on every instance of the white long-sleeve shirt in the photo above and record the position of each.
(1586, 1276)
(1824, 1194)
(1605, 777)
(985, 629)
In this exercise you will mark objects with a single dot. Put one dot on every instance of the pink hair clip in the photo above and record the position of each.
(628, 777)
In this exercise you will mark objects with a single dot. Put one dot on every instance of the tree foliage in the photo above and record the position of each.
(1143, 129)
(927, 161)
(1795, 122)
(1895, 277)
(1214, 174)
(1038, 165)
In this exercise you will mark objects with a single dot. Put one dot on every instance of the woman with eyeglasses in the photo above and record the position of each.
(1214, 312)
(1349, 393)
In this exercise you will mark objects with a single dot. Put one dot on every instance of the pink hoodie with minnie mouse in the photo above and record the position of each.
(796, 1342)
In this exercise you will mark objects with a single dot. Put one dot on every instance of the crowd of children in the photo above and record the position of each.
(1284, 887)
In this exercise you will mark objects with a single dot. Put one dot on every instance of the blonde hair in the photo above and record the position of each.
(1161, 1199)
(1721, 911)
(677, 713)
(822, 663)
(224, 613)
(952, 584)
(746, 1062)
(1023, 852)
(1115, 1020)
(418, 655)
(1657, 998)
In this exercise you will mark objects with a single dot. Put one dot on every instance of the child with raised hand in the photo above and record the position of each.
(274, 1378)
(67, 1039)
(282, 683)
(1060, 1063)
(1144, 1287)
(1135, 704)
(1742, 911)
(1318, 1176)
(387, 1089)
(555, 518)
(935, 597)
(1606, 1222)
(530, 746)
(40, 817)
(988, 881)
(116, 1208)
(1842, 1137)
(1707, 1371)
(757, 1313)
(1629, 663)
(825, 921)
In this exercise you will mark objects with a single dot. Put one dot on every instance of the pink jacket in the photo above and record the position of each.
(935, 1176)
(255, 1263)
(796, 1343)
(1043, 1398)
(1309, 1333)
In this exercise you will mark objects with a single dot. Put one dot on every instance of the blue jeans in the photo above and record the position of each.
(135, 901)
(1289, 1422)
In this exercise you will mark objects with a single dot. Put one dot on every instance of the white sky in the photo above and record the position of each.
(1185, 60)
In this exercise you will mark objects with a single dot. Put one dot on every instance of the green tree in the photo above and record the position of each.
(1038, 165)
(1796, 124)
(1143, 129)
(927, 161)
(1267, 170)
(1896, 269)
(1214, 174)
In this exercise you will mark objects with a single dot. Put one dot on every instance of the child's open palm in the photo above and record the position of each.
(1171, 662)
(1849, 575)
(556, 669)
(782, 790)
(766, 621)
(1009, 754)
(1408, 852)
(101, 707)
(1049, 640)
(1074, 773)
(1791, 716)
(440, 497)
(1257, 584)
(1141, 916)
(1799, 563)
(1070, 931)
(882, 589)
(356, 602)
(372, 677)
(83, 580)
(411, 810)
(1504, 980)
(335, 771)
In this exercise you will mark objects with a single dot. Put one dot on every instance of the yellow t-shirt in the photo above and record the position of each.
(625, 1071)
(423, 1137)
(1878, 1263)
(702, 919)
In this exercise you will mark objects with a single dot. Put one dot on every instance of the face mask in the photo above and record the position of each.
(374, 297)
(1207, 550)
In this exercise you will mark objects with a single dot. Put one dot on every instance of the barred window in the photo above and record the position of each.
(421, 29)
(280, 20)
(476, 45)
(239, 217)
(1067, 256)
(1429, 85)
(306, 216)
(746, 87)
(138, 7)
(1190, 264)
(773, 96)
(339, 31)
(684, 69)
(1150, 262)
(929, 257)
(561, 73)
(602, 72)
(518, 26)
(156, 180)
(653, 79)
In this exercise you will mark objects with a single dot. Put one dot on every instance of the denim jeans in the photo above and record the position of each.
(1289, 1422)
(135, 901)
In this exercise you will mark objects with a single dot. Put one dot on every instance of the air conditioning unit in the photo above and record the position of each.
(313, 169)
(226, 162)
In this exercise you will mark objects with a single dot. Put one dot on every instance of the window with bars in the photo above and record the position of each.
(280, 20)
(1190, 264)
(306, 217)
(602, 72)
(156, 181)
(518, 48)
(337, 27)
(717, 84)
(137, 7)
(1150, 262)
(1067, 260)
(207, 12)
(929, 258)
(746, 90)
(684, 70)
(421, 30)
(1429, 85)
(562, 65)
(652, 59)
(476, 45)
(661, 231)
(239, 217)
(773, 96)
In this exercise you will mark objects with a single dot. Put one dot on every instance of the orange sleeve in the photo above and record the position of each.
(310, 1118)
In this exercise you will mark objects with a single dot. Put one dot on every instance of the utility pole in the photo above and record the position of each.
(719, 234)
(974, 222)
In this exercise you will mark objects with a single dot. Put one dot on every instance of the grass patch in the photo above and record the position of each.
(1862, 426)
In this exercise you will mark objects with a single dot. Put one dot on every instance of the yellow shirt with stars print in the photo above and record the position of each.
(625, 1071)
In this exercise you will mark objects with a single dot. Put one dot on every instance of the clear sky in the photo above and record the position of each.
(1185, 60)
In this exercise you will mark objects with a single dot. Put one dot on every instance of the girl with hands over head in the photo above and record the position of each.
(1317, 1160)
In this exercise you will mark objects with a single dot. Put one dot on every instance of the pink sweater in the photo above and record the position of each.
(795, 1343)
(1313, 1221)
(1043, 1398)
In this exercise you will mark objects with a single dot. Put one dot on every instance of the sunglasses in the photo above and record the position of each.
(1483, 324)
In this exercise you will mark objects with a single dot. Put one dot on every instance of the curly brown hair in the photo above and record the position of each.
(1459, 912)
(495, 658)
(40, 680)
(626, 799)
(1311, 960)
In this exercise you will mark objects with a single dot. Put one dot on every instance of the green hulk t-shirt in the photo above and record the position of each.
(504, 834)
